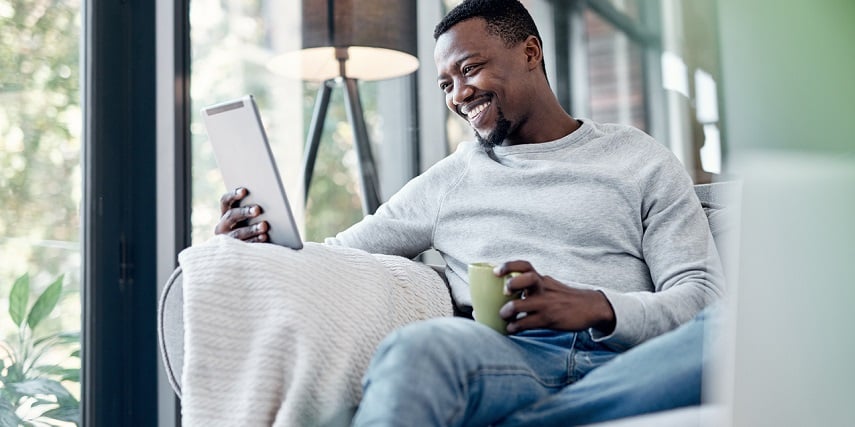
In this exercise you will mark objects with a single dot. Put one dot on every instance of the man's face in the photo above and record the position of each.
(484, 82)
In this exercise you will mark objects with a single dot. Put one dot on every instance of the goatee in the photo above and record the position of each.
(497, 136)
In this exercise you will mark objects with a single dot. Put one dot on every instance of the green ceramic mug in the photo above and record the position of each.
(488, 295)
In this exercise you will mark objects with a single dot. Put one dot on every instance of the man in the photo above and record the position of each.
(606, 211)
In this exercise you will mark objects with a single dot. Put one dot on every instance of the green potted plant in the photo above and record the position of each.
(31, 391)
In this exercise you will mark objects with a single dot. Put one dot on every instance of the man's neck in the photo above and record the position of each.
(550, 125)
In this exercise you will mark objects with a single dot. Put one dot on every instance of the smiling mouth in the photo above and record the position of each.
(476, 111)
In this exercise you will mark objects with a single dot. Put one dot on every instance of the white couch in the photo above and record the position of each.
(720, 204)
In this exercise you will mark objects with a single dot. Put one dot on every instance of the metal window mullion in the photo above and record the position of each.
(173, 163)
(118, 293)
(562, 78)
(656, 117)
(637, 32)
(580, 94)
(432, 139)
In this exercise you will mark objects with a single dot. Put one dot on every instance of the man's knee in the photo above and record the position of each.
(429, 339)
(441, 347)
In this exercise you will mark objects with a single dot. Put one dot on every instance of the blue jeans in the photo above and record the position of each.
(455, 372)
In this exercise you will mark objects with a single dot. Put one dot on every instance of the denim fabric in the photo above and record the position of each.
(456, 372)
(660, 374)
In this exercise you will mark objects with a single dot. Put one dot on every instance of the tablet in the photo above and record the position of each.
(245, 160)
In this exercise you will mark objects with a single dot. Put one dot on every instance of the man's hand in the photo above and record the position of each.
(235, 218)
(549, 304)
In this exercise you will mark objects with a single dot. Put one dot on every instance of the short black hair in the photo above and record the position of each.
(506, 19)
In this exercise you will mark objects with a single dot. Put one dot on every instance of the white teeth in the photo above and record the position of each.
(477, 110)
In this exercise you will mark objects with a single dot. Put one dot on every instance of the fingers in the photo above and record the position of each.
(523, 276)
(519, 317)
(508, 267)
(235, 218)
(527, 314)
(560, 307)
(252, 233)
(529, 282)
(232, 199)
(529, 321)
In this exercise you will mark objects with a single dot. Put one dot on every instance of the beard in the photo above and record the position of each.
(497, 136)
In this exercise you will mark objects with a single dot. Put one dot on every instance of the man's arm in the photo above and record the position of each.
(680, 253)
(678, 249)
(405, 224)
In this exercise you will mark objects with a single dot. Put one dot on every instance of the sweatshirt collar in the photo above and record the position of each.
(558, 144)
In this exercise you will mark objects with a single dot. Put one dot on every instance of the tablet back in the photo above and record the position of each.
(245, 160)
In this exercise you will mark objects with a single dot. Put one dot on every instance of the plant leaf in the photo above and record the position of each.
(68, 413)
(19, 298)
(8, 418)
(60, 338)
(64, 374)
(42, 386)
(71, 375)
(53, 370)
(14, 373)
(45, 303)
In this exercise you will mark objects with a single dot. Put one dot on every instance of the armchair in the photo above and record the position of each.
(719, 201)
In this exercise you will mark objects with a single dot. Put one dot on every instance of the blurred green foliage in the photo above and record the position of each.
(32, 388)
(40, 123)
(231, 43)
(40, 175)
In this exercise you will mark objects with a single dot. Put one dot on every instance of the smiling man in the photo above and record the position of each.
(504, 99)
(606, 211)
(602, 223)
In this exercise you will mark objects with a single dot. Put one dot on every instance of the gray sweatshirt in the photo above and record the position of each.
(605, 207)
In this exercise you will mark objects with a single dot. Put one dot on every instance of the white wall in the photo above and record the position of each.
(789, 107)
(788, 68)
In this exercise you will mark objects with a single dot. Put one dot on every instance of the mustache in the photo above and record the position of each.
(486, 97)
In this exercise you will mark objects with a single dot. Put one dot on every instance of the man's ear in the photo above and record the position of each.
(533, 52)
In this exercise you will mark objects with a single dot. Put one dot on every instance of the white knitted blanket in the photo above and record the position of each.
(280, 337)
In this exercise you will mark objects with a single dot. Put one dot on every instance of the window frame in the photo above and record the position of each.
(572, 63)
(119, 291)
(174, 165)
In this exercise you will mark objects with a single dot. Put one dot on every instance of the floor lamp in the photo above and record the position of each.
(344, 41)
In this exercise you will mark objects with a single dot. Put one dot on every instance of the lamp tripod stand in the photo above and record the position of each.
(368, 181)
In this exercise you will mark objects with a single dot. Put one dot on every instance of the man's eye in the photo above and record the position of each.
(468, 69)
(444, 86)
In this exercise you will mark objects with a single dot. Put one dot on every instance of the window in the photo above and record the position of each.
(40, 224)
(233, 50)
(615, 74)
(654, 65)
(614, 61)
(230, 45)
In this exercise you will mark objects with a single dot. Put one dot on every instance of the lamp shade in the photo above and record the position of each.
(376, 38)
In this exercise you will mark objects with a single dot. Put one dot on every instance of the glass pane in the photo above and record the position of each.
(616, 76)
(40, 195)
(236, 47)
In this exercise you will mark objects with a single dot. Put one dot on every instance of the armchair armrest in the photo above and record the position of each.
(170, 327)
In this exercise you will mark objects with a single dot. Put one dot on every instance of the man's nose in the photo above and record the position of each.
(461, 93)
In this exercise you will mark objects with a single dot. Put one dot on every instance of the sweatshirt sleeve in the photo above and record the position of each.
(405, 224)
(679, 251)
